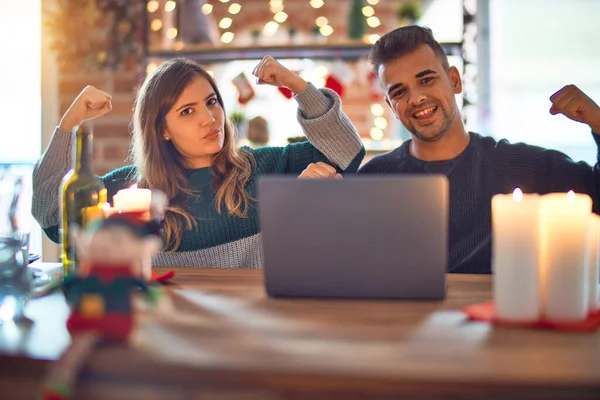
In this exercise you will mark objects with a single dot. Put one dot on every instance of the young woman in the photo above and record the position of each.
(183, 145)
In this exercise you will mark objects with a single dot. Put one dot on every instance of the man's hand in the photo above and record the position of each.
(576, 105)
(270, 71)
(319, 170)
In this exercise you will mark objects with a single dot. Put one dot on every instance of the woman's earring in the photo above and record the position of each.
(167, 138)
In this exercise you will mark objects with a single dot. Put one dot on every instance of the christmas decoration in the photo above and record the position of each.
(333, 83)
(74, 26)
(112, 251)
(287, 93)
(244, 88)
(340, 77)
(101, 294)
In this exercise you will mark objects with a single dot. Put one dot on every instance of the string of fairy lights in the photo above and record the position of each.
(158, 22)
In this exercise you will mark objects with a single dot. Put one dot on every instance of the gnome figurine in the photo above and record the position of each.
(113, 253)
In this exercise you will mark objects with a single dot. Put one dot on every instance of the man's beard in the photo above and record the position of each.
(448, 117)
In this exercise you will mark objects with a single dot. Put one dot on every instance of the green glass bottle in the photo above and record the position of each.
(81, 190)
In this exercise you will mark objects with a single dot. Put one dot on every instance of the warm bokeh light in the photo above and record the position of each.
(376, 133)
(270, 28)
(170, 6)
(234, 8)
(156, 24)
(373, 38)
(225, 23)
(373, 22)
(207, 9)
(321, 21)
(227, 37)
(368, 11)
(316, 3)
(380, 123)
(377, 110)
(326, 30)
(276, 9)
(280, 17)
(152, 6)
(172, 33)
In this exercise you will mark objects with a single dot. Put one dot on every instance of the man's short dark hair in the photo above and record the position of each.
(402, 41)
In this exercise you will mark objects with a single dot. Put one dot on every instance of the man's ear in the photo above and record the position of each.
(455, 80)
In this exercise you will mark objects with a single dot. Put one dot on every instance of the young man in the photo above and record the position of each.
(420, 88)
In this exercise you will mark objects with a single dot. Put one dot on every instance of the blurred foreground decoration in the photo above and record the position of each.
(95, 34)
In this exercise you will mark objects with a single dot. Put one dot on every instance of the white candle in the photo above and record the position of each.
(132, 199)
(564, 235)
(515, 261)
(593, 264)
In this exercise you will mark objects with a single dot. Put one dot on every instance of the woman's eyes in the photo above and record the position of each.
(209, 103)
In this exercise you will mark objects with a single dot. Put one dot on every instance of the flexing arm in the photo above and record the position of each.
(320, 114)
(545, 171)
(57, 159)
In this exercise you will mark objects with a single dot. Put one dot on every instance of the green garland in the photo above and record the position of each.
(95, 34)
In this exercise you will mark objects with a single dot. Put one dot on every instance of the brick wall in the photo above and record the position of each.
(112, 131)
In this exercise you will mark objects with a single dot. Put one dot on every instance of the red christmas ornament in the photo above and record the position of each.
(287, 93)
(333, 83)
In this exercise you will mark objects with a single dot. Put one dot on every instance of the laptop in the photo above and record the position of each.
(359, 237)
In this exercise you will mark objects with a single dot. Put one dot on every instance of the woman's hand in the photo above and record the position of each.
(269, 71)
(319, 170)
(89, 104)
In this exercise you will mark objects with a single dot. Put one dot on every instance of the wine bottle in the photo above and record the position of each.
(80, 190)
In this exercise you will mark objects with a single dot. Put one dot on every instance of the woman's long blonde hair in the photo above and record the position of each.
(160, 166)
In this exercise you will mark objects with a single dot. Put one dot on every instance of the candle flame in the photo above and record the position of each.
(518, 195)
(571, 195)
(134, 186)
(106, 206)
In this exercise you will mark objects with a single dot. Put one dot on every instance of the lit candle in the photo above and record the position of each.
(107, 210)
(565, 219)
(515, 262)
(132, 199)
(593, 258)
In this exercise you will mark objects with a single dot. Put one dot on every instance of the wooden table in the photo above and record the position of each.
(223, 338)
